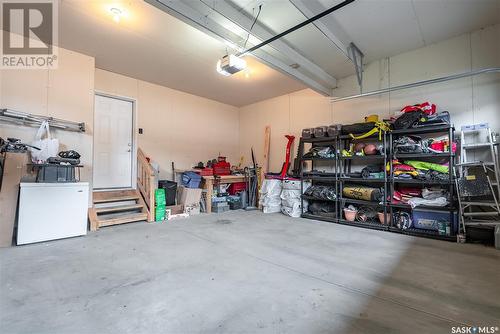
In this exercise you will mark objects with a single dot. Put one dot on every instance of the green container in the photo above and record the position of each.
(160, 213)
(160, 197)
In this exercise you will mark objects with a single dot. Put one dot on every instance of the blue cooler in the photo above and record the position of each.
(429, 219)
(191, 180)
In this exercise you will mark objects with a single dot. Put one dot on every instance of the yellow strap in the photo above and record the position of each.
(368, 134)
(379, 127)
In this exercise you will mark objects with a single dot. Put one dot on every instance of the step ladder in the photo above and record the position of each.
(477, 178)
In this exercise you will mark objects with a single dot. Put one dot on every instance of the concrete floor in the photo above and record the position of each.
(246, 272)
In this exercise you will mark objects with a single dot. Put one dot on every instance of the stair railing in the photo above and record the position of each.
(146, 182)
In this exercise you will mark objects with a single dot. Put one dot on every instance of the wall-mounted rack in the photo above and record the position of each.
(22, 118)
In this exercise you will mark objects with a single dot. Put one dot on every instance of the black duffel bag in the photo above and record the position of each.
(357, 128)
(408, 120)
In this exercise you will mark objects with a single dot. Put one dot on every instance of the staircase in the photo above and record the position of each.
(126, 206)
(116, 207)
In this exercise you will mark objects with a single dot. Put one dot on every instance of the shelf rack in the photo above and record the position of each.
(341, 168)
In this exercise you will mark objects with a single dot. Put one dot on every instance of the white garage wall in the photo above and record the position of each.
(469, 100)
(178, 127)
(66, 92)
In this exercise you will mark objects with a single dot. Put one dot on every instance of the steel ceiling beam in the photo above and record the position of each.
(183, 11)
(227, 10)
(334, 32)
(330, 28)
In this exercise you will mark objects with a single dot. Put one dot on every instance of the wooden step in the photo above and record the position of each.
(115, 196)
(120, 208)
(116, 199)
(135, 217)
(118, 214)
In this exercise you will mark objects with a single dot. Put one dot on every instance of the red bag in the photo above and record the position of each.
(426, 107)
(415, 192)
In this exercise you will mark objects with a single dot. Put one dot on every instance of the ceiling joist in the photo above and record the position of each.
(330, 28)
(227, 10)
(307, 72)
(334, 32)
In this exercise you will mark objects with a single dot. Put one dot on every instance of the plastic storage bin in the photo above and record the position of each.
(430, 219)
(55, 173)
(220, 207)
(170, 191)
(191, 180)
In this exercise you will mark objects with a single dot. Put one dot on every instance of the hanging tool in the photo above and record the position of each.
(286, 165)
(251, 178)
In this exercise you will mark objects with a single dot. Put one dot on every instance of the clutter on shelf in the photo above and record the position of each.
(327, 193)
(363, 193)
(417, 196)
(419, 170)
(323, 152)
(363, 149)
(417, 144)
(389, 174)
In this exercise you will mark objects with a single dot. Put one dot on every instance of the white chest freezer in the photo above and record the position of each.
(49, 211)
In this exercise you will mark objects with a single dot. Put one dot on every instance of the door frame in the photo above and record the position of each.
(134, 138)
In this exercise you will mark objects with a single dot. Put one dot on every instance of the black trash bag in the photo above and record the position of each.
(357, 128)
(408, 120)
(318, 208)
(408, 144)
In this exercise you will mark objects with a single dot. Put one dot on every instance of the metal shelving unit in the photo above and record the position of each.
(344, 179)
(449, 183)
(329, 179)
(342, 167)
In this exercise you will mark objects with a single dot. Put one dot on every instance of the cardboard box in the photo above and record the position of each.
(175, 209)
(189, 196)
(14, 170)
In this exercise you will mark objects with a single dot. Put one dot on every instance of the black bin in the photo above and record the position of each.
(56, 173)
(170, 191)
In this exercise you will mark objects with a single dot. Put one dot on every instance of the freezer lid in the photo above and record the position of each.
(53, 185)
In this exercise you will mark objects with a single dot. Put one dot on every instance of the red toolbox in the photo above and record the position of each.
(222, 167)
(237, 187)
(206, 171)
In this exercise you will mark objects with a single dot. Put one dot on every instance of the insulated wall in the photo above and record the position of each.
(66, 92)
(177, 127)
(469, 100)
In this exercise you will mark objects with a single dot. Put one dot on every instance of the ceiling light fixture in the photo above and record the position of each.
(230, 64)
(117, 14)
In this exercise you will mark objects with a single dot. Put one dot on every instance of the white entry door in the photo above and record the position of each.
(113, 142)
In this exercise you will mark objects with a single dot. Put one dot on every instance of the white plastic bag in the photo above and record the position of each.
(293, 211)
(271, 209)
(270, 193)
(49, 147)
(291, 184)
(290, 194)
(271, 201)
(271, 187)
